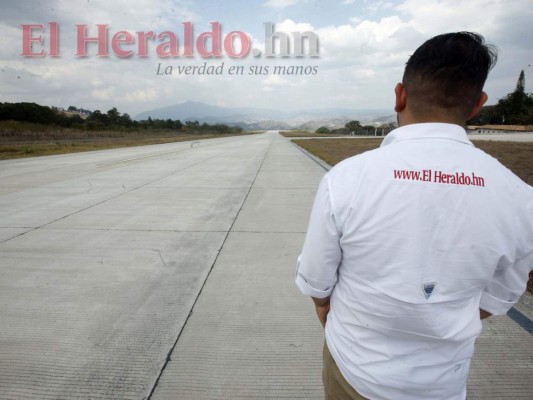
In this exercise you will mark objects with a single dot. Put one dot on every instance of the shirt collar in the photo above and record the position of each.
(433, 130)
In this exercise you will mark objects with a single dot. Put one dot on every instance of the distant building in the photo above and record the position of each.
(498, 129)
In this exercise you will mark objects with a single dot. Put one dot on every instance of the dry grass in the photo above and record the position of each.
(25, 132)
(334, 150)
(18, 140)
(517, 156)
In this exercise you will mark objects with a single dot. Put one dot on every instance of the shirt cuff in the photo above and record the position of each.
(494, 305)
(308, 290)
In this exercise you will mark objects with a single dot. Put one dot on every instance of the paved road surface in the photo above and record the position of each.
(104, 254)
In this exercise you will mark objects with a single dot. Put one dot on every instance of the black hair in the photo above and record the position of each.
(447, 74)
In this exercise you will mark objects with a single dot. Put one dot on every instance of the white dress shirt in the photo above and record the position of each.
(410, 240)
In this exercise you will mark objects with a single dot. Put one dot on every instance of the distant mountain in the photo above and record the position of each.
(385, 119)
(330, 123)
(264, 118)
(266, 125)
(192, 111)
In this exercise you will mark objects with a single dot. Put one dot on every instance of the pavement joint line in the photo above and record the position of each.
(286, 188)
(199, 187)
(263, 232)
(153, 187)
(196, 187)
(169, 354)
(118, 195)
(133, 230)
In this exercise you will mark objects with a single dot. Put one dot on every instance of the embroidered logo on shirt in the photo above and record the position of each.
(428, 289)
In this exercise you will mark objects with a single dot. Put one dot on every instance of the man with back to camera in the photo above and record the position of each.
(410, 245)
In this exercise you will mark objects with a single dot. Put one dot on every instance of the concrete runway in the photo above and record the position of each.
(167, 272)
(103, 255)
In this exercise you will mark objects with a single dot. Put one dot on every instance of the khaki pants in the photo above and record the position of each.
(335, 386)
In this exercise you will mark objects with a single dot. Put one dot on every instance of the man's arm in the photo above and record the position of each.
(484, 314)
(322, 309)
(510, 278)
(316, 269)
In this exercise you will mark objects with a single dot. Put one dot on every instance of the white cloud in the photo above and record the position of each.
(104, 94)
(440, 16)
(376, 6)
(97, 82)
(143, 95)
(289, 26)
(356, 20)
(122, 14)
(281, 3)
(353, 44)
(275, 80)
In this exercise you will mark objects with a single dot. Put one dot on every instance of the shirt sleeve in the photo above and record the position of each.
(316, 269)
(510, 280)
(506, 287)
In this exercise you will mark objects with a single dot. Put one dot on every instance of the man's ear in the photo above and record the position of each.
(479, 103)
(401, 98)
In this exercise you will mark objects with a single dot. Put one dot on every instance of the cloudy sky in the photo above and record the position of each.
(363, 47)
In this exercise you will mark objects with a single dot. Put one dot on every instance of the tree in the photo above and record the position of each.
(98, 119)
(125, 120)
(514, 109)
(487, 115)
(322, 129)
(388, 125)
(29, 112)
(113, 116)
(521, 83)
(353, 125)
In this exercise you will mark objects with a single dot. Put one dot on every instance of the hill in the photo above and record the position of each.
(264, 118)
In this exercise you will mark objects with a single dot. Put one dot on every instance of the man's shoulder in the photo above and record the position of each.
(348, 175)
